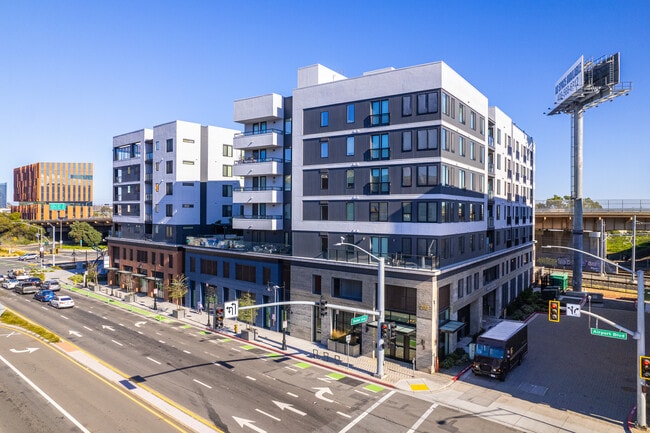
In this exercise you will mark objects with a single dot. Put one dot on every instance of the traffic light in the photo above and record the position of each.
(392, 332)
(383, 331)
(219, 323)
(553, 311)
(644, 371)
(323, 307)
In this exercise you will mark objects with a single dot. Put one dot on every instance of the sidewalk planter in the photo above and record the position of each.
(178, 314)
(341, 347)
(248, 334)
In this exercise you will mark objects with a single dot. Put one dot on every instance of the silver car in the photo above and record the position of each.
(62, 301)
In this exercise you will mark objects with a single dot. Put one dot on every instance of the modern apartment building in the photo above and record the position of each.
(169, 183)
(412, 165)
(54, 190)
(3, 195)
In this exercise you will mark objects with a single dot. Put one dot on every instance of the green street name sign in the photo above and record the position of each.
(608, 333)
(359, 319)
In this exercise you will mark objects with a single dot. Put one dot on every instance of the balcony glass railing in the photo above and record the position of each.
(266, 131)
(225, 242)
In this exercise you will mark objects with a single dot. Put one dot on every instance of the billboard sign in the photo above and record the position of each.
(570, 82)
(57, 206)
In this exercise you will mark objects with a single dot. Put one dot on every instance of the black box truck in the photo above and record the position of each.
(500, 348)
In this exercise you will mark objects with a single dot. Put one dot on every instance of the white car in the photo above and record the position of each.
(10, 284)
(28, 256)
(62, 301)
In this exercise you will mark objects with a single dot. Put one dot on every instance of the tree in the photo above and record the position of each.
(82, 231)
(177, 289)
(249, 315)
(92, 274)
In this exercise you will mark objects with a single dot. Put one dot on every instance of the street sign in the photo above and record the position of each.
(573, 310)
(609, 333)
(57, 206)
(231, 309)
(359, 319)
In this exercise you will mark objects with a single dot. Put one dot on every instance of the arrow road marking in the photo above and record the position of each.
(139, 324)
(288, 406)
(75, 333)
(248, 423)
(321, 392)
(29, 349)
(110, 328)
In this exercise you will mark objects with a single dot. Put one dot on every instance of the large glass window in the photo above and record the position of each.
(407, 176)
(227, 150)
(407, 107)
(324, 149)
(379, 211)
(427, 211)
(428, 102)
(379, 114)
(407, 146)
(428, 139)
(407, 212)
(427, 175)
(170, 145)
(379, 148)
(379, 181)
(349, 146)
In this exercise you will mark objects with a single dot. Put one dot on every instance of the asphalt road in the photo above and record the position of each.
(235, 386)
(43, 391)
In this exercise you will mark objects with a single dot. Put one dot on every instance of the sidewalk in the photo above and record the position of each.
(446, 388)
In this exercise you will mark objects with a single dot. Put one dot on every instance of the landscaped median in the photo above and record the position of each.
(127, 306)
(11, 318)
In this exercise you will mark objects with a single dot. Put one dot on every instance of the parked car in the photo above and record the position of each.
(62, 301)
(28, 256)
(35, 281)
(26, 288)
(9, 284)
(44, 295)
(51, 285)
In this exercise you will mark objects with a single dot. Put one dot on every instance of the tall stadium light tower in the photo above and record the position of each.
(586, 84)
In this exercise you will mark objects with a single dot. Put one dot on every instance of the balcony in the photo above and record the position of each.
(259, 108)
(260, 140)
(490, 168)
(257, 195)
(248, 222)
(258, 167)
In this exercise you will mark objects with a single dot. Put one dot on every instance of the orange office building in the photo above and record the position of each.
(53, 190)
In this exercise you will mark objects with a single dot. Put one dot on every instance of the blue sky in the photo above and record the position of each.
(76, 73)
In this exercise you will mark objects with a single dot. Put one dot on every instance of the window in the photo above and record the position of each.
(445, 175)
(209, 267)
(169, 167)
(446, 140)
(316, 284)
(407, 107)
(227, 170)
(427, 175)
(428, 212)
(481, 154)
(346, 289)
(157, 166)
(350, 113)
(461, 288)
(462, 212)
(245, 272)
(407, 176)
(379, 245)
(349, 211)
(379, 113)
(349, 178)
(482, 126)
(227, 150)
(324, 211)
(324, 180)
(226, 190)
(407, 212)
(461, 179)
(169, 210)
(407, 146)
(446, 104)
(472, 151)
(428, 102)
(461, 113)
(379, 148)
(287, 126)
(324, 149)
(379, 183)
(349, 146)
(169, 188)
(428, 139)
(472, 120)
(461, 146)
(324, 118)
(170, 145)
(379, 211)
(226, 210)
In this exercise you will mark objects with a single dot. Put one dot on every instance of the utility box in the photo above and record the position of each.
(560, 280)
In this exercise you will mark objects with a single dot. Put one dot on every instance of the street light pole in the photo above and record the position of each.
(53, 243)
(380, 304)
(639, 335)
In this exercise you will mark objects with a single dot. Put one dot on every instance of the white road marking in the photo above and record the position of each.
(289, 368)
(187, 351)
(361, 392)
(153, 360)
(117, 342)
(87, 328)
(201, 383)
(344, 414)
(268, 414)
(45, 396)
(366, 412)
(292, 394)
(161, 342)
(236, 350)
(64, 317)
(422, 418)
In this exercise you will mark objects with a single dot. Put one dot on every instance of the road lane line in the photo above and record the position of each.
(201, 383)
(45, 396)
(366, 412)
(292, 394)
(153, 360)
(117, 342)
(344, 414)
(250, 378)
(422, 418)
(361, 392)
(87, 328)
(187, 351)
(268, 414)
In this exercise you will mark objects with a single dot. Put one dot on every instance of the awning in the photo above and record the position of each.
(123, 272)
(451, 326)
(138, 275)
